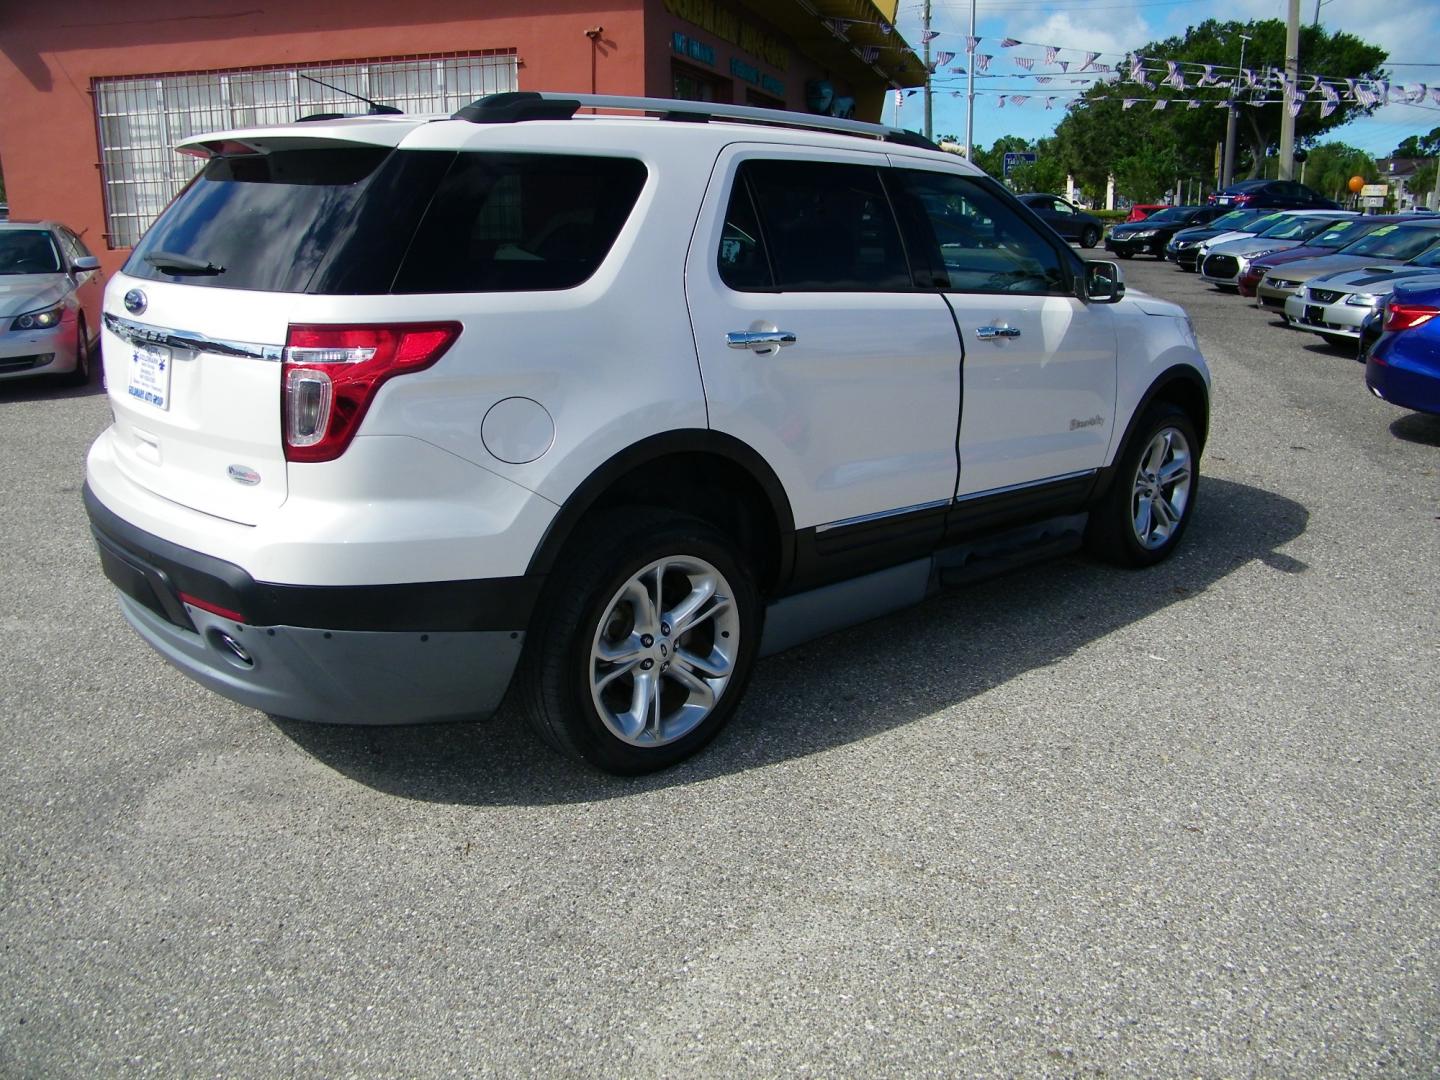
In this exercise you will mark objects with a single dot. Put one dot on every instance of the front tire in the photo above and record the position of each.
(81, 375)
(1141, 519)
(643, 644)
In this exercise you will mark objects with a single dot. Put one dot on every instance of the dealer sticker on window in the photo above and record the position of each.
(150, 375)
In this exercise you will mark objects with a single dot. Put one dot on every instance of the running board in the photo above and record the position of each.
(1010, 550)
(794, 620)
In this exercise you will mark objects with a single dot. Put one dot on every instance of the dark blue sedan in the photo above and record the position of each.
(1403, 367)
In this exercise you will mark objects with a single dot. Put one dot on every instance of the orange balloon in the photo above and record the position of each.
(1356, 183)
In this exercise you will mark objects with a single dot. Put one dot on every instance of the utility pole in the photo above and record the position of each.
(970, 88)
(925, 37)
(1292, 83)
(1227, 174)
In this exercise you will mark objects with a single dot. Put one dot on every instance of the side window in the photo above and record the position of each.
(825, 227)
(976, 239)
(743, 261)
(1062, 207)
(504, 222)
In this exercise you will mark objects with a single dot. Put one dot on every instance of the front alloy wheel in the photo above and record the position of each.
(1143, 513)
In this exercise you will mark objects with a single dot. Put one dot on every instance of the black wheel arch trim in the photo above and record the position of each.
(1171, 376)
(653, 448)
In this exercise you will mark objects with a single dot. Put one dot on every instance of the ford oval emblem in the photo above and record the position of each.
(243, 474)
(135, 302)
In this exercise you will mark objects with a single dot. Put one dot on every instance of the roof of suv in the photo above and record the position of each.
(498, 110)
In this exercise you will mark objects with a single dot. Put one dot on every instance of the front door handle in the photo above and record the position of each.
(986, 333)
(759, 340)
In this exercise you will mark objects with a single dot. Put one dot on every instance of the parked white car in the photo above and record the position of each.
(600, 408)
(49, 302)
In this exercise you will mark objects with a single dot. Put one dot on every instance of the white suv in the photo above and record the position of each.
(602, 407)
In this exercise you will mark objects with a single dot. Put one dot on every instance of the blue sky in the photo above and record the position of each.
(1408, 29)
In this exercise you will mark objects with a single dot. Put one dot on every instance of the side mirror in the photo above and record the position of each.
(85, 264)
(1103, 282)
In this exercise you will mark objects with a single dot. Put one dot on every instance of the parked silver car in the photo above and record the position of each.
(1335, 305)
(49, 302)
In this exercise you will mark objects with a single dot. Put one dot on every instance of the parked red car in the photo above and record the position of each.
(1140, 211)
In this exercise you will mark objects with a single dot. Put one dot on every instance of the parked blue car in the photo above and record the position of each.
(1403, 367)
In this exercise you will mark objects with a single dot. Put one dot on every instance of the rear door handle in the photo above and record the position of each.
(759, 340)
(985, 333)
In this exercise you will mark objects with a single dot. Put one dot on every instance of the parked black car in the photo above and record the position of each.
(1272, 195)
(1066, 219)
(1149, 237)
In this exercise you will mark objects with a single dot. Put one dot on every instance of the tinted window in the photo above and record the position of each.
(1172, 213)
(28, 251)
(826, 227)
(520, 222)
(268, 219)
(976, 239)
(743, 261)
(1393, 242)
(1338, 234)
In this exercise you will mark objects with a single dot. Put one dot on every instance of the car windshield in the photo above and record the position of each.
(1338, 234)
(1170, 213)
(1295, 228)
(1393, 242)
(28, 251)
(1429, 258)
(1260, 224)
(1235, 219)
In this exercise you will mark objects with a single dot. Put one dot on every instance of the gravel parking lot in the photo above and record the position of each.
(1072, 822)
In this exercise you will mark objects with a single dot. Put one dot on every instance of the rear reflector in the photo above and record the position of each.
(214, 609)
(332, 373)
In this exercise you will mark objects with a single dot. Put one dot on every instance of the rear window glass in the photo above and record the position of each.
(272, 221)
(504, 222)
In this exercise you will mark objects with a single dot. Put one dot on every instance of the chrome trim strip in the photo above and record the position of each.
(881, 515)
(1027, 484)
(142, 334)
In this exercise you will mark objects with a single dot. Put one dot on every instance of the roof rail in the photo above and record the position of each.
(528, 105)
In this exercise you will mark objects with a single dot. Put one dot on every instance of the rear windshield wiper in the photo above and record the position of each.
(171, 263)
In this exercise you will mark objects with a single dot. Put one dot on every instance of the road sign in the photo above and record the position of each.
(1370, 191)
(1018, 157)
(1372, 200)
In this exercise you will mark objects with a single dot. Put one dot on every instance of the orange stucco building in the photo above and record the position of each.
(96, 92)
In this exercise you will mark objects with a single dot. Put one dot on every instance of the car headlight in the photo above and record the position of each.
(1141, 234)
(1265, 251)
(1362, 299)
(43, 319)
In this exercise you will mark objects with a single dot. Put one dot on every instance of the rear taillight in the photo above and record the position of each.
(1405, 316)
(332, 373)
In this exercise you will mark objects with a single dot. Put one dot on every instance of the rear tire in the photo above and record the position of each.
(1141, 519)
(643, 643)
(1124, 254)
(1090, 237)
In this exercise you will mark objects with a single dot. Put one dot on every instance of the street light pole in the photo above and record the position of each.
(970, 88)
(1227, 172)
(929, 125)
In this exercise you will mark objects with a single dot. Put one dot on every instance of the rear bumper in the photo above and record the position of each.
(385, 654)
(1411, 382)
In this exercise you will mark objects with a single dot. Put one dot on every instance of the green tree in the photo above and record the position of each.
(1045, 173)
(1330, 166)
(1419, 146)
(1100, 133)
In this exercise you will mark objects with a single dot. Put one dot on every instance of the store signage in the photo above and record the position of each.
(685, 45)
(725, 24)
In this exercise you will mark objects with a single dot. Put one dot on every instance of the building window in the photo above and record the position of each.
(140, 119)
(762, 101)
(693, 84)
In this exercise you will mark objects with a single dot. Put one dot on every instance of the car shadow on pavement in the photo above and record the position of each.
(1422, 428)
(42, 388)
(846, 687)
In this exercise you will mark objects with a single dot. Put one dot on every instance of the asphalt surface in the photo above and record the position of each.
(1072, 822)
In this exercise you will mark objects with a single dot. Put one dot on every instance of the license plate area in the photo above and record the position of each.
(149, 374)
(1314, 313)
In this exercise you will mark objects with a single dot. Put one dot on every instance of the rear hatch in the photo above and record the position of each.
(273, 229)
